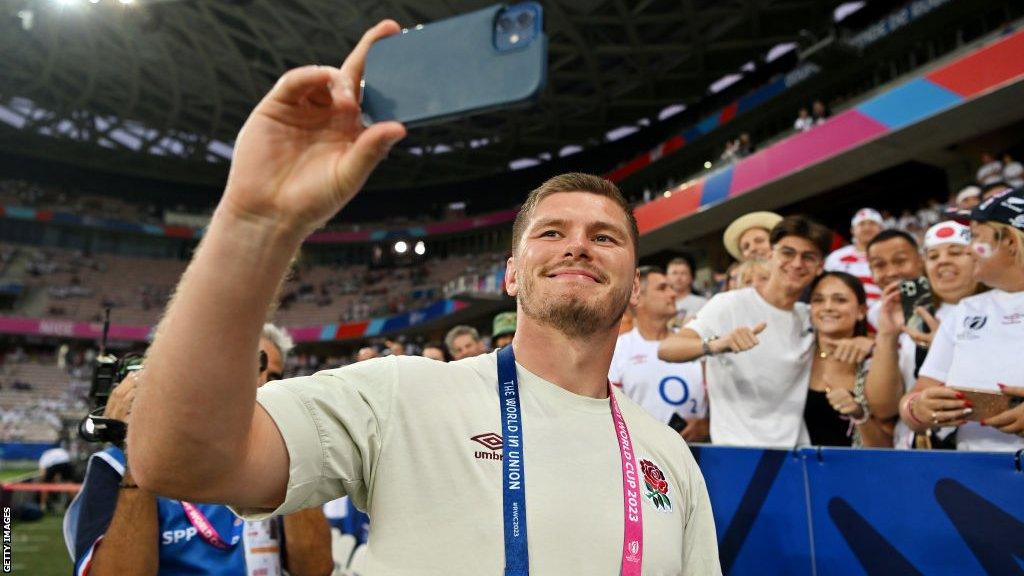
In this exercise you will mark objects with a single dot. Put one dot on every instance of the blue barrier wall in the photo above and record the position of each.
(840, 511)
(23, 450)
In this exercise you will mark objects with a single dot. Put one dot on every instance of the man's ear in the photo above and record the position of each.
(511, 281)
(634, 294)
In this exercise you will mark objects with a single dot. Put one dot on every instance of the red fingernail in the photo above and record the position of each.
(982, 422)
(968, 404)
(960, 395)
(1001, 386)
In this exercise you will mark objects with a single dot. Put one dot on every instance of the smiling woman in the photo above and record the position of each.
(903, 343)
(836, 413)
(968, 379)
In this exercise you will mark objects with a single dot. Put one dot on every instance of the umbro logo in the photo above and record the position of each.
(492, 442)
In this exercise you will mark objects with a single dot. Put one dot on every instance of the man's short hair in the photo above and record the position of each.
(889, 234)
(574, 182)
(683, 259)
(279, 338)
(803, 227)
(646, 271)
(460, 330)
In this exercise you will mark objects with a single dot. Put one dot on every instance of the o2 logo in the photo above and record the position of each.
(675, 391)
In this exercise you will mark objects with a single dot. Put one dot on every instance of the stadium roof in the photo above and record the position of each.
(161, 87)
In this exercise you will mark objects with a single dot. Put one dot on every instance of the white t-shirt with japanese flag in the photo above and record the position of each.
(979, 347)
(852, 261)
(661, 388)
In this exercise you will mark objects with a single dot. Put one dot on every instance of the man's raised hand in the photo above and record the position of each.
(303, 152)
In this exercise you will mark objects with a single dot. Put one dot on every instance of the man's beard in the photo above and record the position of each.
(569, 314)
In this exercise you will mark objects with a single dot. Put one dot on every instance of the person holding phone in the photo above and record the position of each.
(894, 256)
(534, 461)
(978, 347)
(902, 341)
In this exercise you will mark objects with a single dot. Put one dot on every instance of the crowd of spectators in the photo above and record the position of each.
(71, 200)
(1000, 169)
(76, 201)
(743, 146)
(806, 120)
(79, 286)
(40, 393)
(803, 344)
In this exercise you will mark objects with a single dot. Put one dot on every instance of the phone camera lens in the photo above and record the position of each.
(525, 19)
(505, 24)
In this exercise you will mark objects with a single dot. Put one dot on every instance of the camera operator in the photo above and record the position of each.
(115, 527)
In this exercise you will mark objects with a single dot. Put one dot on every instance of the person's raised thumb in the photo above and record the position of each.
(759, 327)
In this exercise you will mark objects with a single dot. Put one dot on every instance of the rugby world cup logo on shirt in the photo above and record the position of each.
(975, 322)
(657, 486)
(971, 326)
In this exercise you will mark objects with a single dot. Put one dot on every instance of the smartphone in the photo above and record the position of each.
(677, 423)
(987, 403)
(489, 59)
(914, 293)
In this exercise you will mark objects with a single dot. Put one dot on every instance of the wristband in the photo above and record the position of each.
(910, 408)
(863, 419)
(706, 345)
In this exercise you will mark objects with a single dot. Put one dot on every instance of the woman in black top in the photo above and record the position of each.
(836, 413)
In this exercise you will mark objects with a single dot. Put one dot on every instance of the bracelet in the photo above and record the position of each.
(863, 419)
(910, 408)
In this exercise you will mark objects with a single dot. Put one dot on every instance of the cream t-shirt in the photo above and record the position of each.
(416, 444)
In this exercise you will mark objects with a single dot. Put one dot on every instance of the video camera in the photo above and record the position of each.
(108, 373)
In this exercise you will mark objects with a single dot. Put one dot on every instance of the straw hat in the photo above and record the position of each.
(731, 238)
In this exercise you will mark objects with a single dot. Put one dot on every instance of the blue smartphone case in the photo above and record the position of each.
(456, 67)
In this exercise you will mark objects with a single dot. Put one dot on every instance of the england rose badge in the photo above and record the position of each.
(657, 486)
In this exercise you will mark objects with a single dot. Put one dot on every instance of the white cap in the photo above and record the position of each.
(865, 214)
(948, 232)
(968, 192)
